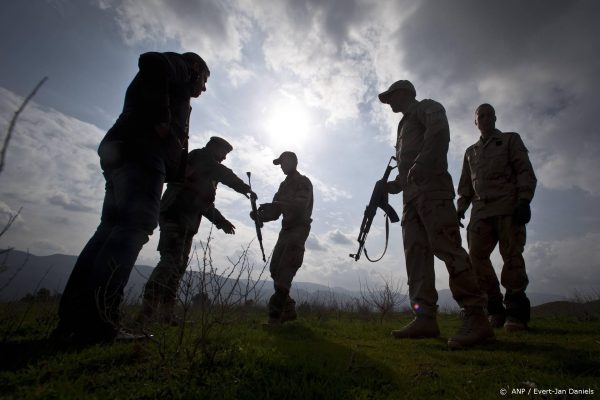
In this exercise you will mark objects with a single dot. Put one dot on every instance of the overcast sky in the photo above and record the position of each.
(303, 75)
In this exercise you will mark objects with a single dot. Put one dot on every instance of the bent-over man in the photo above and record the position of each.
(146, 147)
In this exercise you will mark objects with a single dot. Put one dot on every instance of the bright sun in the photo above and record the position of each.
(287, 124)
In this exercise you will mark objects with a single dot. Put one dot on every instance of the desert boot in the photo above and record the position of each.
(419, 328)
(475, 329)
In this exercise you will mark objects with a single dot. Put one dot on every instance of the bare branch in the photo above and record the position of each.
(13, 121)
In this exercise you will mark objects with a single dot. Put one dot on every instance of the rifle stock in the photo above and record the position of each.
(379, 199)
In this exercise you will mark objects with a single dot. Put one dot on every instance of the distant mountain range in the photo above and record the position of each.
(24, 273)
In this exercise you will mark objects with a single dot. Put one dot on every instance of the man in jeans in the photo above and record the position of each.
(146, 147)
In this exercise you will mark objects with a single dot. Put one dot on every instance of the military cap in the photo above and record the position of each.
(220, 142)
(401, 84)
(286, 154)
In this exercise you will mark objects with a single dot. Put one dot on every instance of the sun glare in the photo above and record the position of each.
(287, 123)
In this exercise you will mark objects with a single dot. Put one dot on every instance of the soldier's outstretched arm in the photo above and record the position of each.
(215, 216)
(228, 178)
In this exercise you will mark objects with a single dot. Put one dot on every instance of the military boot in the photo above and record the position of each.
(289, 311)
(518, 311)
(146, 315)
(497, 320)
(475, 329)
(419, 328)
(513, 324)
(496, 312)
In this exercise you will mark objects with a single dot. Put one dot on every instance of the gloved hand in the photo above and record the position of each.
(460, 215)
(269, 211)
(522, 214)
(227, 227)
(395, 186)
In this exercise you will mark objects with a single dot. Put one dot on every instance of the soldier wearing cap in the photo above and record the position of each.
(146, 147)
(429, 224)
(181, 209)
(293, 200)
(498, 180)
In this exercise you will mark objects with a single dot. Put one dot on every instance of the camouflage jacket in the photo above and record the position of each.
(185, 203)
(495, 174)
(423, 138)
(295, 200)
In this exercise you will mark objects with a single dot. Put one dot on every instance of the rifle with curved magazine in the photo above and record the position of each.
(379, 199)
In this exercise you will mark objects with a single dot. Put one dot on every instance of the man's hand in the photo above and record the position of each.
(460, 215)
(394, 187)
(227, 227)
(522, 214)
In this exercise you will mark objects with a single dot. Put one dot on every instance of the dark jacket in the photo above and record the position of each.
(158, 94)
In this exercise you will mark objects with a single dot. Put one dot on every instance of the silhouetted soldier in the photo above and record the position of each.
(181, 210)
(294, 200)
(429, 223)
(498, 179)
(146, 147)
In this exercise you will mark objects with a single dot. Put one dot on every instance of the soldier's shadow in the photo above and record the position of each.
(318, 368)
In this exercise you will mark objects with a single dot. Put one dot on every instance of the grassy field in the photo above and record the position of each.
(317, 357)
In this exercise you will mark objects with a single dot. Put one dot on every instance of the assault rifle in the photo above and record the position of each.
(257, 223)
(379, 198)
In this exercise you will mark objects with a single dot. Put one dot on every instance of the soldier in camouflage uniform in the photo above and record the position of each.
(293, 200)
(429, 224)
(181, 209)
(498, 179)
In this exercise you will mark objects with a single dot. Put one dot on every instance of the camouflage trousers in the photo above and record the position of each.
(287, 258)
(430, 228)
(160, 292)
(483, 235)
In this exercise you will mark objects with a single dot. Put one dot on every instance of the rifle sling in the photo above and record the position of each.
(387, 235)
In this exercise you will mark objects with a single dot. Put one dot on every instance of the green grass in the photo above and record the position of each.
(312, 358)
